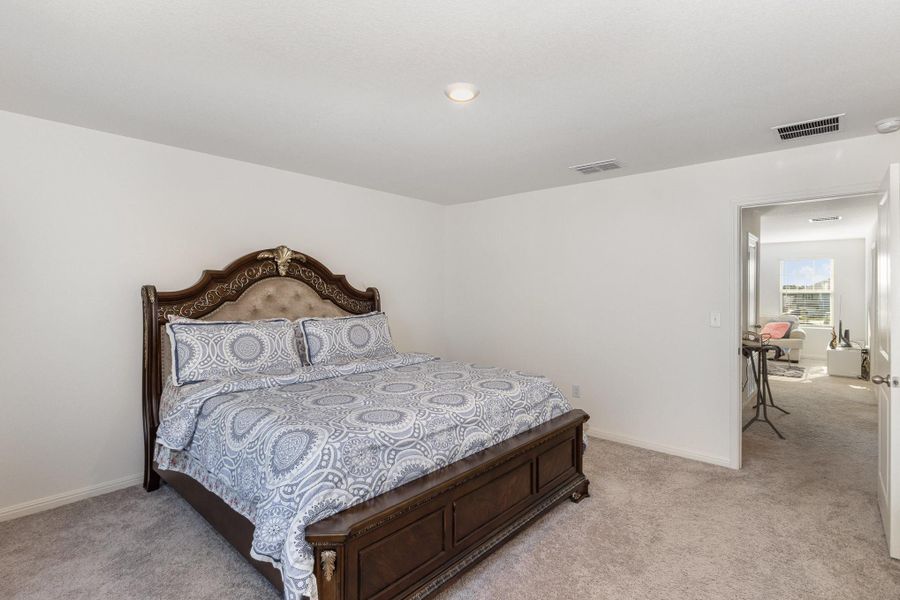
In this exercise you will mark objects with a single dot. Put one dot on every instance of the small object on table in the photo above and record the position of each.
(845, 336)
(750, 336)
(764, 398)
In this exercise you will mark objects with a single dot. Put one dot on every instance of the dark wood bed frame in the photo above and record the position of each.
(406, 543)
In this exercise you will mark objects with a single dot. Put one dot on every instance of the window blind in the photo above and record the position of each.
(807, 290)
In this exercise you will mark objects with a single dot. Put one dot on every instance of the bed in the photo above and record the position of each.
(404, 538)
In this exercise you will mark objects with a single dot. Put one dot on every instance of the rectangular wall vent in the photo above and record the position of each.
(597, 167)
(790, 131)
(824, 219)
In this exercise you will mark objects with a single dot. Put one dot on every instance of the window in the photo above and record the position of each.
(807, 290)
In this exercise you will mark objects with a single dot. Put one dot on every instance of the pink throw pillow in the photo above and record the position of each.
(776, 330)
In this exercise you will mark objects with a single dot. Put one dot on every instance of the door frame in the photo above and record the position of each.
(737, 291)
(754, 243)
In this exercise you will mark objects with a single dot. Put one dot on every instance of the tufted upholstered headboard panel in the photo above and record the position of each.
(278, 282)
(284, 297)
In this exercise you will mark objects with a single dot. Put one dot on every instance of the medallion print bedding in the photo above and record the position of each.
(203, 350)
(289, 450)
(298, 331)
(346, 339)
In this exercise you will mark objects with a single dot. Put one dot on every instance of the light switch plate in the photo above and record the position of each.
(576, 391)
(715, 319)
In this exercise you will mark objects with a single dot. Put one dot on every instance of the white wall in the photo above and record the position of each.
(606, 284)
(850, 287)
(87, 217)
(610, 284)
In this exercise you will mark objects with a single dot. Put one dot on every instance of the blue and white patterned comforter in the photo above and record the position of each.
(287, 451)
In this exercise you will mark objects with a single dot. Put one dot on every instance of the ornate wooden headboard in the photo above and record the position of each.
(278, 282)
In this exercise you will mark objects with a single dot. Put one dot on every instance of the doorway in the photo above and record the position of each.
(809, 263)
(807, 286)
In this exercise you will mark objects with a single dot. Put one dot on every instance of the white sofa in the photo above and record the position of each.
(792, 345)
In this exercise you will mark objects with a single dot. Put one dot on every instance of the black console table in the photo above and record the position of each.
(760, 370)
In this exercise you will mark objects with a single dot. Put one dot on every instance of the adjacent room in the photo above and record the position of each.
(810, 412)
(449, 300)
(810, 294)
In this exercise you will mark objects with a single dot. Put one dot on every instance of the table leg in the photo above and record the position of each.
(766, 419)
(765, 376)
(762, 389)
(769, 388)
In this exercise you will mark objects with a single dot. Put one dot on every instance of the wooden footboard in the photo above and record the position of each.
(411, 541)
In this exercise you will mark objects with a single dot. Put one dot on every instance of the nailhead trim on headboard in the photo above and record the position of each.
(233, 288)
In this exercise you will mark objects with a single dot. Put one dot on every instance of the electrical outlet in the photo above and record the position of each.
(576, 391)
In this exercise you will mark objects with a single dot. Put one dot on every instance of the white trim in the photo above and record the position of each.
(680, 452)
(736, 301)
(41, 504)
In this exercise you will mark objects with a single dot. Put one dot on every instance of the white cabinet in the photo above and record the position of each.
(844, 362)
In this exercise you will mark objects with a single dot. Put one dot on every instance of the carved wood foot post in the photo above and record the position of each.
(581, 493)
(329, 572)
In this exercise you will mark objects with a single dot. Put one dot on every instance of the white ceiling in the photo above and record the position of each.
(790, 222)
(352, 90)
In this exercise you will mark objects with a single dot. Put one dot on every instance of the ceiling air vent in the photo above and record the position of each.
(597, 167)
(790, 131)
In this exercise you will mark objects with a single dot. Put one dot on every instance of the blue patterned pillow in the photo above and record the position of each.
(204, 350)
(345, 339)
(298, 332)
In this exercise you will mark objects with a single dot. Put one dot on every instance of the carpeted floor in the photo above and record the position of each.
(799, 521)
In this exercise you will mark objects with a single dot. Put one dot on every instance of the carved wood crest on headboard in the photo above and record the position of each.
(217, 287)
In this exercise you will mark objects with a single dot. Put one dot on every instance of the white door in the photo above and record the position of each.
(885, 347)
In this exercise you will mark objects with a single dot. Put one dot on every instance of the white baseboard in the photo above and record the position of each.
(630, 441)
(41, 504)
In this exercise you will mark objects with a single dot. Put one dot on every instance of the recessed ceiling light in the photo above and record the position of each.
(824, 219)
(461, 92)
(888, 125)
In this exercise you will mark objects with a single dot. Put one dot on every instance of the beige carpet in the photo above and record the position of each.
(799, 521)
